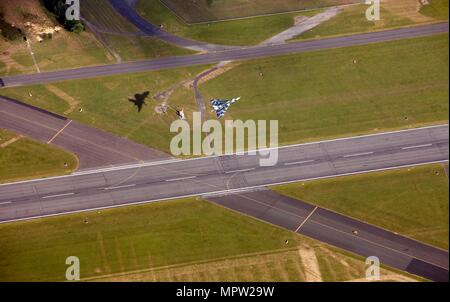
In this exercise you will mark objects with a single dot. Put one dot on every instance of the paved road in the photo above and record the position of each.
(93, 147)
(228, 55)
(129, 13)
(338, 230)
(213, 177)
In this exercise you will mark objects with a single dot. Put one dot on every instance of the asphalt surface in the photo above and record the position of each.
(214, 177)
(338, 230)
(148, 29)
(228, 55)
(92, 146)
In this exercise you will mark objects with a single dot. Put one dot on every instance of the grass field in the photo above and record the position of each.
(393, 14)
(239, 32)
(436, 9)
(413, 202)
(314, 95)
(26, 159)
(127, 47)
(106, 105)
(325, 94)
(193, 11)
(353, 20)
(63, 50)
(165, 241)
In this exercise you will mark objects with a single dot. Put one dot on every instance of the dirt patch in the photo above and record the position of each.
(11, 141)
(73, 103)
(310, 264)
(219, 71)
(30, 17)
(407, 8)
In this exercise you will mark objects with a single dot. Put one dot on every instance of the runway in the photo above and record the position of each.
(92, 146)
(245, 53)
(338, 230)
(215, 177)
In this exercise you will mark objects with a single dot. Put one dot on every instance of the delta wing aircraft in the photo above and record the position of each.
(220, 107)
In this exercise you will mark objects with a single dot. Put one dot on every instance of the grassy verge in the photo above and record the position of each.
(164, 241)
(106, 105)
(353, 20)
(437, 9)
(314, 96)
(342, 92)
(126, 46)
(413, 202)
(26, 159)
(193, 11)
(238, 32)
(130, 48)
(393, 14)
(63, 50)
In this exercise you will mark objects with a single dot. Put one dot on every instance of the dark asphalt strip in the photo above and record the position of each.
(214, 57)
(341, 231)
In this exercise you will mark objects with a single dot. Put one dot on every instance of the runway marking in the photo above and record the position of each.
(418, 146)
(174, 160)
(242, 170)
(11, 141)
(306, 219)
(59, 195)
(299, 162)
(358, 154)
(6, 202)
(59, 132)
(120, 187)
(181, 178)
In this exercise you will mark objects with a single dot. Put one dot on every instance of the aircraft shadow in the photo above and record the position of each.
(139, 100)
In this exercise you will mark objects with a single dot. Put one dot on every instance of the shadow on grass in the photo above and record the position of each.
(139, 100)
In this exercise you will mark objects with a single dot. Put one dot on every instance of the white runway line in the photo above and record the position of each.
(243, 170)
(418, 146)
(59, 132)
(120, 187)
(358, 154)
(59, 195)
(299, 162)
(6, 202)
(306, 219)
(181, 178)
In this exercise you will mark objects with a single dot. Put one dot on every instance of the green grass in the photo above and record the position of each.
(130, 48)
(131, 238)
(26, 159)
(105, 103)
(64, 50)
(238, 32)
(325, 94)
(164, 241)
(193, 11)
(317, 95)
(139, 48)
(71, 51)
(436, 9)
(353, 20)
(413, 202)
